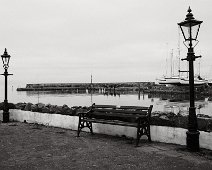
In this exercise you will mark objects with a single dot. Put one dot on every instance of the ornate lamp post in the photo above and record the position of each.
(190, 29)
(6, 59)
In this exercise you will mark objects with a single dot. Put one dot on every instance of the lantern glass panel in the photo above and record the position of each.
(190, 31)
(194, 31)
(6, 60)
(186, 32)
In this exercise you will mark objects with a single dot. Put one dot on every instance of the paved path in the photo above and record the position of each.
(29, 147)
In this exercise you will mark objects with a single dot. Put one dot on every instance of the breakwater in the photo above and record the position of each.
(104, 87)
(116, 88)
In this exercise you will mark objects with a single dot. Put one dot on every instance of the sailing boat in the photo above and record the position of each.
(198, 80)
(170, 80)
(179, 80)
(182, 81)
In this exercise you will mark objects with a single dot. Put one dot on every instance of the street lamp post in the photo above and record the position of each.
(190, 29)
(5, 59)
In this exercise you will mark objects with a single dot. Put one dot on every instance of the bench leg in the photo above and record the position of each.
(83, 124)
(80, 126)
(143, 129)
(139, 134)
(89, 125)
(148, 133)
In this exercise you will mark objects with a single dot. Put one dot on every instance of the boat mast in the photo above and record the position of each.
(179, 51)
(166, 59)
(199, 67)
(171, 62)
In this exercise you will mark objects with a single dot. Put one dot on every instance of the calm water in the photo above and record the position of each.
(160, 103)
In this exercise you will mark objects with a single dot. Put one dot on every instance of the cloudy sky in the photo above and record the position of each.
(114, 40)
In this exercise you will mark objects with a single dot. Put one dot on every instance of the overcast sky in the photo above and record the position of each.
(114, 40)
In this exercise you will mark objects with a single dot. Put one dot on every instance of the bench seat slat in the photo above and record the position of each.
(112, 122)
(105, 106)
(134, 107)
(117, 114)
(106, 111)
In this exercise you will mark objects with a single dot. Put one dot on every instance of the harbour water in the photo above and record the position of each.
(159, 102)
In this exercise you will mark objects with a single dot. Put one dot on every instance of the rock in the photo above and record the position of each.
(10, 105)
(66, 110)
(181, 121)
(203, 116)
(170, 115)
(156, 114)
(59, 110)
(65, 106)
(165, 117)
(1, 106)
(48, 105)
(40, 105)
(34, 108)
(69, 112)
(183, 113)
(77, 110)
(204, 124)
(52, 109)
(20, 106)
(28, 107)
(45, 109)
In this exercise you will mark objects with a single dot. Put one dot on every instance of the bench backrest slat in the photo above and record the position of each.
(106, 110)
(114, 114)
(104, 106)
(134, 107)
(123, 111)
(120, 111)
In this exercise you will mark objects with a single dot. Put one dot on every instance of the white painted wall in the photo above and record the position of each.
(158, 133)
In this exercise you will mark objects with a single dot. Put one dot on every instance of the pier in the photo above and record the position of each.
(115, 88)
(83, 87)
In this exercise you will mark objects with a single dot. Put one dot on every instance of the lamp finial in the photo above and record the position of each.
(189, 16)
(189, 9)
(5, 51)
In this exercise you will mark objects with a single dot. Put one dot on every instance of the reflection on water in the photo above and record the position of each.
(161, 102)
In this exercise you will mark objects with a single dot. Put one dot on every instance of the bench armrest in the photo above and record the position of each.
(83, 114)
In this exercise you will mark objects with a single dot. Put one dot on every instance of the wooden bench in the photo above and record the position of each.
(133, 116)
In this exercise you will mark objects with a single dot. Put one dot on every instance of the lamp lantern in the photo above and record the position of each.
(5, 59)
(190, 28)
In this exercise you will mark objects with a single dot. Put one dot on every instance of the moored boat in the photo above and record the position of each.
(198, 81)
(169, 80)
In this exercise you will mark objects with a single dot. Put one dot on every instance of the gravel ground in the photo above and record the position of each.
(29, 146)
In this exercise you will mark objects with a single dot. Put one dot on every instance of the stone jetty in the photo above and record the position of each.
(104, 87)
(118, 87)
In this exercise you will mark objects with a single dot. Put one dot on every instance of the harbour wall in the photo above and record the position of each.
(87, 86)
(116, 88)
(158, 133)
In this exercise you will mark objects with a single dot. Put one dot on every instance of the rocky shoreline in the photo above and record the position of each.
(158, 118)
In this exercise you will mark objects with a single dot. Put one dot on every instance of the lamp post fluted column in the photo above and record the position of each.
(192, 139)
(5, 108)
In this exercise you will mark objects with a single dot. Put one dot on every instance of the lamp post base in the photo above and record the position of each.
(5, 117)
(192, 141)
